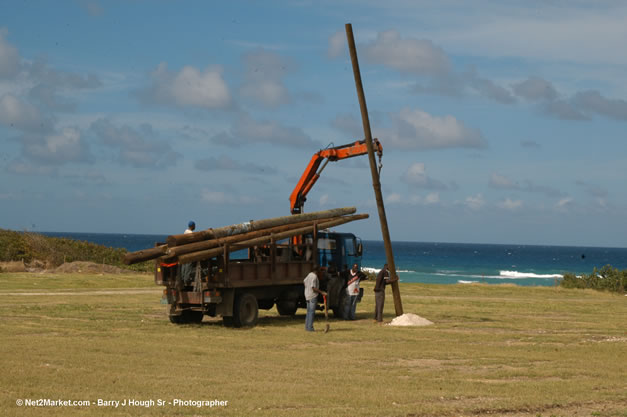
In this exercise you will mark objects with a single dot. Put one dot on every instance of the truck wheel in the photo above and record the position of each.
(245, 310)
(176, 319)
(286, 308)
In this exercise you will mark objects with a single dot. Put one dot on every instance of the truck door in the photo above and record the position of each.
(353, 255)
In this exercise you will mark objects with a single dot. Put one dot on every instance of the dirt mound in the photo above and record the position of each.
(88, 268)
(410, 319)
(14, 266)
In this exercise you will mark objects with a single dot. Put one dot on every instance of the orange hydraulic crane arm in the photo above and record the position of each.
(312, 173)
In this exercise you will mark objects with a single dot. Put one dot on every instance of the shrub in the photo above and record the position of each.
(53, 251)
(606, 278)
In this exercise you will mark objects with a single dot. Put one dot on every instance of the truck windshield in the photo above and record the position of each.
(326, 244)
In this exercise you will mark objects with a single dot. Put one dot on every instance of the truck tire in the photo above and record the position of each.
(245, 310)
(286, 308)
(176, 319)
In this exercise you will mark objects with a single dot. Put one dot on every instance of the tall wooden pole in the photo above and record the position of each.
(385, 232)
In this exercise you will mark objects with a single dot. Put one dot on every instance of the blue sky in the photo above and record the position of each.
(501, 121)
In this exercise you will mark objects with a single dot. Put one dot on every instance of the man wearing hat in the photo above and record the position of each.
(190, 227)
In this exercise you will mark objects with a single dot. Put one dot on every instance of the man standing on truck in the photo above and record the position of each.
(311, 296)
(186, 269)
(352, 292)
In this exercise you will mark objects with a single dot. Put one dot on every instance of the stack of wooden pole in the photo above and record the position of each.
(205, 244)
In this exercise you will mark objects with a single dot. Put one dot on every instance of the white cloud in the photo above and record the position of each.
(22, 167)
(535, 88)
(268, 92)
(247, 130)
(530, 144)
(40, 72)
(19, 114)
(564, 203)
(501, 181)
(92, 7)
(594, 102)
(454, 84)
(216, 197)
(416, 56)
(432, 198)
(509, 204)
(416, 129)
(62, 147)
(337, 44)
(348, 124)
(475, 202)
(416, 175)
(563, 109)
(569, 32)
(393, 198)
(136, 147)
(9, 57)
(189, 87)
(488, 88)
(594, 190)
(264, 75)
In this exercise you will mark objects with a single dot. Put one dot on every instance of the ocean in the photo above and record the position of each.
(444, 263)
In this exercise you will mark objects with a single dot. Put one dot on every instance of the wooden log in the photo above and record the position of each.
(213, 243)
(376, 184)
(207, 254)
(145, 254)
(254, 225)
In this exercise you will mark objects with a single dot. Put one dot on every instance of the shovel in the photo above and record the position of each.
(326, 314)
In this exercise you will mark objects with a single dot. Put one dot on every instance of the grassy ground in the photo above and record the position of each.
(493, 350)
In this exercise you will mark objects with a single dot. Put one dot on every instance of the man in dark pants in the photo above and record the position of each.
(383, 278)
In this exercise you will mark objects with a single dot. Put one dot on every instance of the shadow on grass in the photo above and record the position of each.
(285, 321)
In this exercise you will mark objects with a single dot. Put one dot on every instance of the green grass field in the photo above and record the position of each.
(493, 350)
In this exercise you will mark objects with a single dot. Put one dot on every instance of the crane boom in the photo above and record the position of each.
(312, 173)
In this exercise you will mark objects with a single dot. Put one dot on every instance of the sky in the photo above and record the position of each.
(500, 121)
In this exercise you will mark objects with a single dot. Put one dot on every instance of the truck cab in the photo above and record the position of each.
(339, 250)
(337, 253)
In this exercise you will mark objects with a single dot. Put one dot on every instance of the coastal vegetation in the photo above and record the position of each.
(46, 252)
(500, 350)
(607, 278)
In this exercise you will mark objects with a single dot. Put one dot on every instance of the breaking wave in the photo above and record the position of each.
(501, 275)
(376, 270)
(517, 275)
